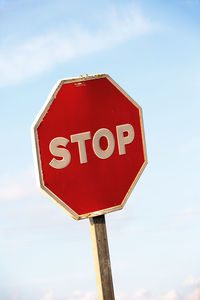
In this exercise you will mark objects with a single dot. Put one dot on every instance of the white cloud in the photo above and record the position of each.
(194, 295)
(185, 216)
(138, 295)
(192, 282)
(76, 295)
(168, 295)
(18, 187)
(15, 296)
(145, 295)
(171, 295)
(191, 146)
(48, 296)
(82, 296)
(191, 293)
(42, 52)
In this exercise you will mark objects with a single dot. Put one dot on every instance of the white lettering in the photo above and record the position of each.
(122, 139)
(57, 147)
(103, 154)
(81, 138)
(59, 152)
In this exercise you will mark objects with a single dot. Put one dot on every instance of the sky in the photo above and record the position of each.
(151, 49)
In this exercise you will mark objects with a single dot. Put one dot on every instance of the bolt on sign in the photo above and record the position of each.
(90, 145)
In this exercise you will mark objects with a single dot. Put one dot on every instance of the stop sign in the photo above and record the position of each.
(90, 145)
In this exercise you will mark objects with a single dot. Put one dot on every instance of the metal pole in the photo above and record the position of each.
(101, 258)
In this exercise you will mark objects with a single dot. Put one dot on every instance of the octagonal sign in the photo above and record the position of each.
(90, 145)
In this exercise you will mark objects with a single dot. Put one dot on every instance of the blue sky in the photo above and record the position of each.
(151, 49)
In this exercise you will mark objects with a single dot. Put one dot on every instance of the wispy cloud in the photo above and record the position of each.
(189, 291)
(48, 296)
(42, 52)
(138, 295)
(169, 295)
(194, 295)
(192, 281)
(18, 187)
(77, 295)
(182, 218)
(82, 296)
(192, 146)
(147, 295)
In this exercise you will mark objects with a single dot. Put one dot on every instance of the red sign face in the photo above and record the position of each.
(90, 145)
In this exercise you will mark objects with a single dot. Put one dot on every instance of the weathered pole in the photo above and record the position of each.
(101, 258)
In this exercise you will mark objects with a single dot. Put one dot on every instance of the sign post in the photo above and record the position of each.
(90, 151)
(101, 258)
